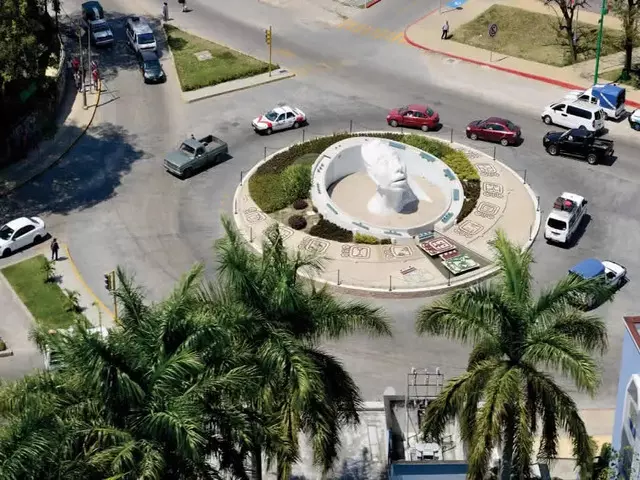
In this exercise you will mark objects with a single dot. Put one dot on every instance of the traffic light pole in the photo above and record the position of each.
(269, 40)
(115, 297)
(603, 12)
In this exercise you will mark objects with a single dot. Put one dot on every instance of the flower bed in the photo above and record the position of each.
(286, 177)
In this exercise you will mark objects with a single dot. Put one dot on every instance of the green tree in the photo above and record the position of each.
(506, 397)
(628, 11)
(160, 397)
(304, 389)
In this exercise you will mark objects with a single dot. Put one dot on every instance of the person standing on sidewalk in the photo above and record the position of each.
(54, 249)
(445, 30)
(165, 11)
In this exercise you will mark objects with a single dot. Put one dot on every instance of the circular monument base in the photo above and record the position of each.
(353, 192)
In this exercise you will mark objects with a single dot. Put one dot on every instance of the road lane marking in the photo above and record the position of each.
(371, 31)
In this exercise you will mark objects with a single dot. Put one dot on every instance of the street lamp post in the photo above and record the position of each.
(603, 12)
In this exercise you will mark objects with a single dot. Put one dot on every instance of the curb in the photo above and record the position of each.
(520, 73)
(480, 276)
(238, 89)
(82, 281)
(371, 3)
(10, 190)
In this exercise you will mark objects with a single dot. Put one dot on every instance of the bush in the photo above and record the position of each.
(471, 196)
(297, 222)
(385, 241)
(331, 231)
(460, 164)
(296, 182)
(315, 209)
(266, 191)
(367, 239)
(3, 345)
(300, 204)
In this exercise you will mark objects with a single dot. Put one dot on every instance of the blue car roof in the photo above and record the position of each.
(588, 268)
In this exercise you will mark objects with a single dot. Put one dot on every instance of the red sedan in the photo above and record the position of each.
(415, 116)
(494, 129)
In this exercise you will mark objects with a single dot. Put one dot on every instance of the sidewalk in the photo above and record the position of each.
(49, 152)
(425, 34)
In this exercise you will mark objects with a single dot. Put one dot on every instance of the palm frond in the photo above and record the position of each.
(584, 330)
(514, 263)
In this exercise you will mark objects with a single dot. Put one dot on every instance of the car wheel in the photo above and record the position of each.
(504, 142)
(37, 239)
(547, 120)
(269, 131)
(425, 128)
(473, 136)
(6, 253)
(393, 123)
(592, 159)
(552, 150)
(187, 173)
(296, 124)
(636, 127)
(582, 127)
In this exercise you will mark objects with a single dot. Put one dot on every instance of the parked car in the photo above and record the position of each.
(280, 118)
(150, 67)
(578, 143)
(607, 96)
(565, 218)
(414, 116)
(612, 274)
(99, 28)
(495, 129)
(574, 114)
(19, 233)
(634, 120)
(193, 155)
(140, 35)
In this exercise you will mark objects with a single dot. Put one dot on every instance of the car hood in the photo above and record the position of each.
(103, 34)
(475, 123)
(635, 115)
(177, 158)
(394, 111)
(263, 120)
(154, 72)
(553, 136)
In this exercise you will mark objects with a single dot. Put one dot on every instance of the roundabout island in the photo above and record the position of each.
(390, 214)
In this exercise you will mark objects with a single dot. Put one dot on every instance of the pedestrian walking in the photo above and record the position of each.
(165, 11)
(445, 30)
(184, 5)
(54, 249)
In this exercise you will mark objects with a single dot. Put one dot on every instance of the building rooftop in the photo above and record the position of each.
(633, 325)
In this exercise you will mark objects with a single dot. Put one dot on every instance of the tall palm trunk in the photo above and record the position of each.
(506, 466)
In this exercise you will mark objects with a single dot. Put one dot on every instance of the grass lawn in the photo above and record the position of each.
(533, 36)
(226, 64)
(45, 301)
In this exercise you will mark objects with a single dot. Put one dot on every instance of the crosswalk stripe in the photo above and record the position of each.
(370, 31)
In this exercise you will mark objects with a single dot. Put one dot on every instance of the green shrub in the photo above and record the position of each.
(471, 195)
(266, 191)
(460, 164)
(300, 204)
(434, 147)
(367, 239)
(385, 241)
(3, 345)
(296, 182)
(331, 231)
(297, 222)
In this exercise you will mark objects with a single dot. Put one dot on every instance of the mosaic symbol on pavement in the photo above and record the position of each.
(313, 245)
(372, 32)
(355, 251)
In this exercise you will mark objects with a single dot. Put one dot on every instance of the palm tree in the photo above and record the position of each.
(159, 397)
(304, 389)
(516, 337)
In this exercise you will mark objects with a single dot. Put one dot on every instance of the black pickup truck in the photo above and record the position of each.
(578, 143)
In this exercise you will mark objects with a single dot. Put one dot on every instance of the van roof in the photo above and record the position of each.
(139, 25)
(586, 106)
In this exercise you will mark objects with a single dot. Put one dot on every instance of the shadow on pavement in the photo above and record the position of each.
(88, 176)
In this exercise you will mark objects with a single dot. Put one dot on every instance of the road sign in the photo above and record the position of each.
(493, 29)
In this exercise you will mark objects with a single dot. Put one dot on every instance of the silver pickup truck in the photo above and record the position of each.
(194, 155)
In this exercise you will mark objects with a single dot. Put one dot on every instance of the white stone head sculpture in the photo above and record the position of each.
(388, 171)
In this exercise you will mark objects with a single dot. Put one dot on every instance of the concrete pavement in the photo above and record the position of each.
(425, 34)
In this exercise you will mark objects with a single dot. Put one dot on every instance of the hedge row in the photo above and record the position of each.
(280, 181)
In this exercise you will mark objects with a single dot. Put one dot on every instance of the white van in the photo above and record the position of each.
(140, 35)
(576, 114)
(562, 223)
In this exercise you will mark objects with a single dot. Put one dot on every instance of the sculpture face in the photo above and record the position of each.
(384, 166)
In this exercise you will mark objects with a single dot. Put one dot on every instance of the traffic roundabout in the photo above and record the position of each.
(361, 253)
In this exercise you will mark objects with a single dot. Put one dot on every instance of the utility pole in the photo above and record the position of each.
(603, 11)
(89, 62)
(111, 286)
(267, 39)
(80, 32)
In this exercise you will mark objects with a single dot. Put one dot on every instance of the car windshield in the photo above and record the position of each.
(187, 149)
(146, 38)
(565, 135)
(557, 224)
(271, 115)
(430, 112)
(6, 232)
(511, 126)
(101, 28)
(152, 65)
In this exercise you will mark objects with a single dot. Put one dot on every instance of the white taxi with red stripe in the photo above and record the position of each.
(280, 118)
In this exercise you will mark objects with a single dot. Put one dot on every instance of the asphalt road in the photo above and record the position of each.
(112, 202)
